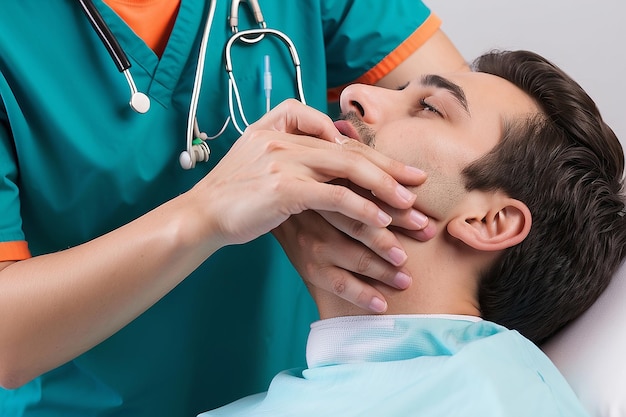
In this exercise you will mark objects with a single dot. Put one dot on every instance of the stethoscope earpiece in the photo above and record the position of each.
(199, 153)
(185, 160)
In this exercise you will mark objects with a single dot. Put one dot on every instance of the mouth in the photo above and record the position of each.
(345, 128)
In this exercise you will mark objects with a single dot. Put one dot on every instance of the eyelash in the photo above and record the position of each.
(423, 103)
(429, 107)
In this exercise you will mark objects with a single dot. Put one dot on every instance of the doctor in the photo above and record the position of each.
(109, 301)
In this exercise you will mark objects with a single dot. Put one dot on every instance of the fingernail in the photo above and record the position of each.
(401, 281)
(377, 305)
(415, 170)
(419, 219)
(384, 218)
(397, 256)
(429, 231)
(404, 193)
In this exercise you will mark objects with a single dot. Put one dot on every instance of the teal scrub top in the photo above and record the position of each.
(76, 162)
(372, 366)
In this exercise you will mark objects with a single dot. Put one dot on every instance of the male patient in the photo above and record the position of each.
(524, 189)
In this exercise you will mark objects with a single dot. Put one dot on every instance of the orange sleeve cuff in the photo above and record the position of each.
(14, 251)
(396, 57)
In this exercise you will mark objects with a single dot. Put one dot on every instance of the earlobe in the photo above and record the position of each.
(502, 224)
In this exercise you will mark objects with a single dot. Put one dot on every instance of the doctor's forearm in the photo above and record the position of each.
(57, 306)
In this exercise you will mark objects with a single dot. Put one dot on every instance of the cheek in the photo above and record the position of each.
(427, 152)
(443, 161)
(439, 195)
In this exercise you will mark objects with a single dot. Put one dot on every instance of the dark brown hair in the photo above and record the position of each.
(567, 166)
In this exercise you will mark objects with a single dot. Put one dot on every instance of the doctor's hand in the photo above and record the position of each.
(275, 170)
(331, 251)
(331, 248)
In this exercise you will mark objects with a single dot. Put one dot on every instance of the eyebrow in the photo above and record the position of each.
(431, 80)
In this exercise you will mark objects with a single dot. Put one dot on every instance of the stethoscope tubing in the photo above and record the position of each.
(253, 36)
(138, 100)
(197, 150)
(106, 36)
(192, 123)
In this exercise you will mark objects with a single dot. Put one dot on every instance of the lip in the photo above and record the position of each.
(345, 128)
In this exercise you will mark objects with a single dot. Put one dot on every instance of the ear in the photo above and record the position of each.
(491, 223)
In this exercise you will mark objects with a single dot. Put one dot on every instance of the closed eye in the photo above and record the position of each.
(428, 107)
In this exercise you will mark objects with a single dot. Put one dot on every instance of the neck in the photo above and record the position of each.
(444, 282)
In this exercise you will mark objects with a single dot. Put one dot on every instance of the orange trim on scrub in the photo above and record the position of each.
(14, 251)
(151, 20)
(396, 57)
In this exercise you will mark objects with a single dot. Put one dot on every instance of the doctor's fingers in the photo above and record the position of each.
(298, 196)
(409, 222)
(353, 151)
(330, 261)
(379, 240)
(291, 116)
(337, 264)
(357, 163)
(390, 172)
(363, 172)
(405, 174)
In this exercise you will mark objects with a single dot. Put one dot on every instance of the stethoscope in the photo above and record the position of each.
(197, 149)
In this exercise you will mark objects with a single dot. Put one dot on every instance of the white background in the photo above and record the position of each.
(587, 39)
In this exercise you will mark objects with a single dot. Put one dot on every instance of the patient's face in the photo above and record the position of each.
(438, 124)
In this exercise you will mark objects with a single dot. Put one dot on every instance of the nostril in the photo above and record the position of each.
(358, 107)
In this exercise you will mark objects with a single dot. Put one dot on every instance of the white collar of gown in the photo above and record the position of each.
(372, 338)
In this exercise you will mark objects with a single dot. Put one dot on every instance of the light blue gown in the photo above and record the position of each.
(415, 366)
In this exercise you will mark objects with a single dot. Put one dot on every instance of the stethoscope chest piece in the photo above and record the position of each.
(139, 102)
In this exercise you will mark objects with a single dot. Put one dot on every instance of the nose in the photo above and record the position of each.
(370, 103)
